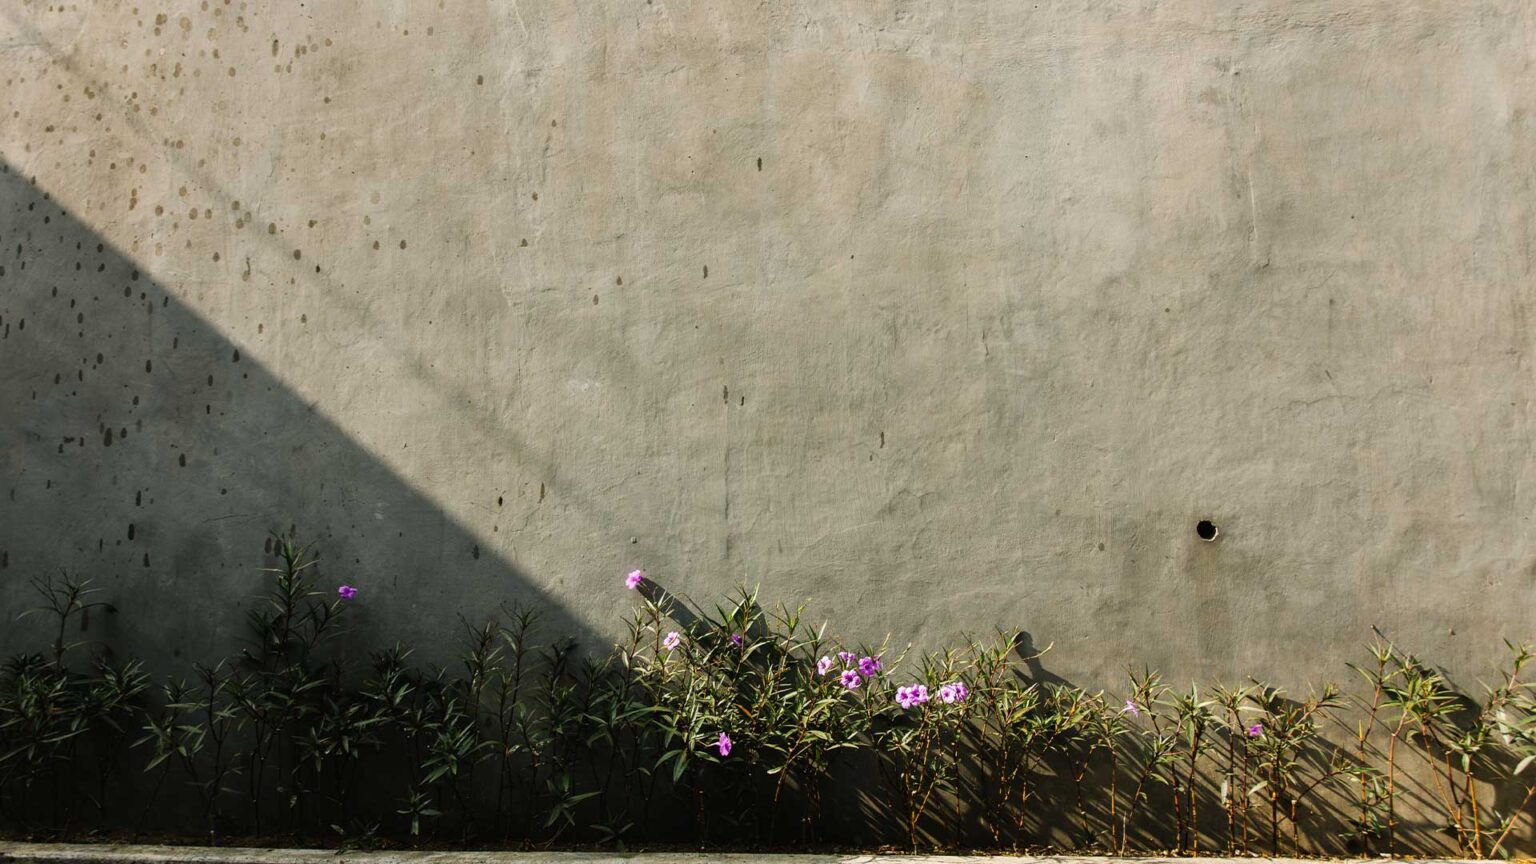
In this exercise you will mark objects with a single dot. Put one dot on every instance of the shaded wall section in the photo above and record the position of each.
(144, 452)
(945, 316)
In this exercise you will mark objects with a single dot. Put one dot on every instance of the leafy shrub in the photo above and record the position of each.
(735, 725)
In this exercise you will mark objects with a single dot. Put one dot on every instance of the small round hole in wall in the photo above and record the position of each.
(1205, 529)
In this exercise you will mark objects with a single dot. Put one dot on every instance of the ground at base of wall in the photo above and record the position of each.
(129, 853)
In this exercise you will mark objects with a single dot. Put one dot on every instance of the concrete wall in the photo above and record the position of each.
(942, 315)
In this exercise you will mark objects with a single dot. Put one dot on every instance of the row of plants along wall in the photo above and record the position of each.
(739, 725)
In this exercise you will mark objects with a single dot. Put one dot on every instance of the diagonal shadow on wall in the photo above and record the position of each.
(138, 448)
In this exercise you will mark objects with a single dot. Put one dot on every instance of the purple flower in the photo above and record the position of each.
(869, 666)
(1131, 708)
(850, 679)
(672, 641)
(909, 697)
(347, 592)
(824, 665)
(634, 579)
(845, 656)
(724, 744)
(949, 694)
(1256, 730)
(736, 639)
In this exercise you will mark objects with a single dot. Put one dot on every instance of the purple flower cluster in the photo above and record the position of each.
(911, 697)
(347, 592)
(954, 692)
(724, 744)
(1256, 730)
(865, 668)
(635, 579)
(672, 640)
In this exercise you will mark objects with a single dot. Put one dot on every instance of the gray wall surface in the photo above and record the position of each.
(940, 315)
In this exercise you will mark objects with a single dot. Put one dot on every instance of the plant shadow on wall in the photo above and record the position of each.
(739, 724)
(140, 446)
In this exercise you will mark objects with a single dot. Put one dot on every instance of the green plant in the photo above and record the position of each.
(1288, 759)
(733, 722)
(51, 705)
(285, 680)
(916, 735)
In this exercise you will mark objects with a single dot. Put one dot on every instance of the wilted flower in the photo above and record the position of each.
(1256, 730)
(736, 639)
(850, 679)
(1131, 708)
(954, 692)
(724, 744)
(868, 666)
(633, 580)
(824, 665)
(672, 640)
(908, 697)
(845, 656)
(347, 592)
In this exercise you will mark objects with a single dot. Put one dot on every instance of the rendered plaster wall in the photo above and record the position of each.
(941, 315)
